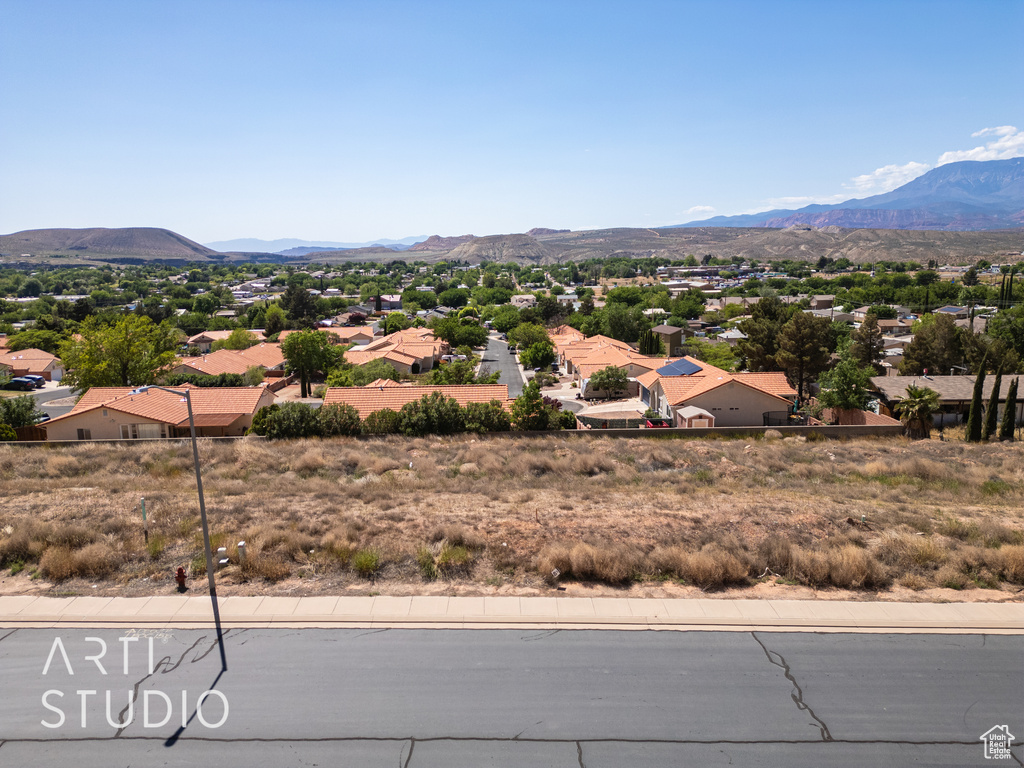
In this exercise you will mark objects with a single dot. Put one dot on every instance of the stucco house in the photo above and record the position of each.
(380, 395)
(32, 362)
(121, 413)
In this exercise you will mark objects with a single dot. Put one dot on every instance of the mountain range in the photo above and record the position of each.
(293, 247)
(965, 196)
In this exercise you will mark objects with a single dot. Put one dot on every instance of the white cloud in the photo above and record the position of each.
(1007, 142)
(886, 178)
(701, 209)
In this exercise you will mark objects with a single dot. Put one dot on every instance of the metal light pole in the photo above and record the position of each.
(202, 508)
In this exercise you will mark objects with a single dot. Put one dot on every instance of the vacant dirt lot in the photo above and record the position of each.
(866, 519)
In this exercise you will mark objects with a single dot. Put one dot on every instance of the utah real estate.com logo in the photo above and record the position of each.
(997, 742)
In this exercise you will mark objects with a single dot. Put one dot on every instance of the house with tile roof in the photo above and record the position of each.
(354, 334)
(204, 341)
(730, 399)
(378, 396)
(267, 356)
(122, 413)
(32, 362)
(413, 350)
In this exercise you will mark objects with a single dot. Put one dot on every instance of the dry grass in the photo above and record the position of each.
(463, 511)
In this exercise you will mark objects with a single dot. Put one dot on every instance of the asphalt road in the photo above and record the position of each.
(497, 358)
(417, 698)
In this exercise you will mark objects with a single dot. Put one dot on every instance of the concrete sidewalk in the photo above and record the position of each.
(514, 612)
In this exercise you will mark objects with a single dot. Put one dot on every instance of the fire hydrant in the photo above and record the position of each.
(180, 578)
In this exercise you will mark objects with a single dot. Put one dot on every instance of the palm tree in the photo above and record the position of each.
(916, 409)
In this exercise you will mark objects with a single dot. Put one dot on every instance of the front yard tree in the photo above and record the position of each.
(1009, 413)
(308, 352)
(762, 331)
(529, 411)
(803, 351)
(132, 352)
(846, 387)
(992, 412)
(868, 347)
(539, 355)
(936, 348)
(610, 380)
(916, 410)
(975, 420)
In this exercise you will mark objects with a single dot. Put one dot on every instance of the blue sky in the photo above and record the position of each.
(335, 120)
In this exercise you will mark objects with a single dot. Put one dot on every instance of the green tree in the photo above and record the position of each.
(300, 305)
(1008, 325)
(650, 344)
(505, 318)
(308, 352)
(1009, 413)
(339, 420)
(539, 355)
(975, 421)
(846, 387)
(719, 354)
(937, 347)
(19, 411)
(132, 352)
(253, 376)
(276, 320)
(530, 412)
(611, 380)
(868, 347)
(992, 411)
(239, 338)
(527, 334)
(803, 351)
(916, 410)
(394, 322)
(762, 330)
(48, 341)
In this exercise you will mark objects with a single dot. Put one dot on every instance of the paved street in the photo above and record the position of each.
(497, 358)
(417, 698)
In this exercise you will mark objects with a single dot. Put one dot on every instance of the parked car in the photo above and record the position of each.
(657, 424)
(36, 379)
(20, 384)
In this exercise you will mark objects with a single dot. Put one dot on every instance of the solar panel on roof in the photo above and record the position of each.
(680, 367)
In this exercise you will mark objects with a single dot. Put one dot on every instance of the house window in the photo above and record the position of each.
(104, 411)
(85, 434)
(142, 431)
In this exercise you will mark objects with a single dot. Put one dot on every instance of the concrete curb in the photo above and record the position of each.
(500, 612)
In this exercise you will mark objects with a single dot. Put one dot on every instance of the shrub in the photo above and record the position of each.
(366, 562)
(7, 433)
(453, 559)
(339, 419)
(714, 566)
(851, 567)
(382, 422)
(292, 421)
(425, 561)
(487, 417)
(259, 421)
(432, 414)
(263, 565)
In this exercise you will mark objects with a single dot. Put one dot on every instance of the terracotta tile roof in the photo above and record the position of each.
(264, 355)
(404, 347)
(366, 400)
(34, 361)
(214, 405)
(772, 383)
(210, 336)
(679, 389)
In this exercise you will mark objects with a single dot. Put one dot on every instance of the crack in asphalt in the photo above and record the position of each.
(579, 754)
(163, 669)
(798, 697)
(412, 746)
(541, 636)
(8, 635)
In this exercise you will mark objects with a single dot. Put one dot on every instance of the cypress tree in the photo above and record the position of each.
(992, 413)
(974, 419)
(1009, 413)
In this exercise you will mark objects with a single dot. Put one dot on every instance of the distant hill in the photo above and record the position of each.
(545, 231)
(438, 243)
(289, 245)
(965, 196)
(131, 242)
(503, 248)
